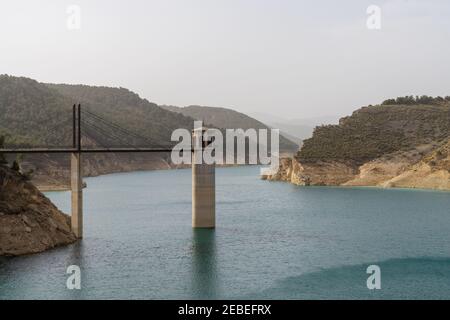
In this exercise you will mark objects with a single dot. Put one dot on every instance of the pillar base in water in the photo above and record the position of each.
(203, 183)
(203, 196)
(76, 177)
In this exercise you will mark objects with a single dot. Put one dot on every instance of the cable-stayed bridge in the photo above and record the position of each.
(105, 136)
(92, 133)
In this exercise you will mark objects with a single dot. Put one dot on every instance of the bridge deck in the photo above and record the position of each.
(92, 150)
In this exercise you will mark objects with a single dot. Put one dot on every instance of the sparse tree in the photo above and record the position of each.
(28, 175)
(411, 100)
(2, 157)
(389, 102)
(15, 166)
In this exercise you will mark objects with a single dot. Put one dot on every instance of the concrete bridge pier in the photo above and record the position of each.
(203, 185)
(76, 177)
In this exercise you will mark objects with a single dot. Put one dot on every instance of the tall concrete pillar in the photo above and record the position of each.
(203, 186)
(76, 177)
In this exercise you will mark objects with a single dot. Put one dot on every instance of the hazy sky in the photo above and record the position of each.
(292, 58)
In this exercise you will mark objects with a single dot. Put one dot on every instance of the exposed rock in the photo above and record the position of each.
(29, 222)
(401, 170)
(318, 174)
(432, 172)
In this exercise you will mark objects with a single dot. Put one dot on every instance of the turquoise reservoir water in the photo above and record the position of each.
(273, 241)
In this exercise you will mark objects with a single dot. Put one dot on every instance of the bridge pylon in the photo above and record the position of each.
(203, 184)
(76, 177)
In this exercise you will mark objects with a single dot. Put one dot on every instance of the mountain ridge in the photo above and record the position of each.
(229, 119)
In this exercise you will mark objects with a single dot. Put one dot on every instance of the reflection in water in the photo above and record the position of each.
(204, 264)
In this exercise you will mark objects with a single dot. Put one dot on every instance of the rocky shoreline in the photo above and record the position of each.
(397, 170)
(29, 222)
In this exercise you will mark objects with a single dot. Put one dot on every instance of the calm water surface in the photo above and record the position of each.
(273, 241)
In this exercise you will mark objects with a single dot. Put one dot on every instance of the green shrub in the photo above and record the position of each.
(411, 100)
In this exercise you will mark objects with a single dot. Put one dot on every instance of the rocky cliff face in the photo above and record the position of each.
(29, 222)
(398, 170)
(431, 172)
(385, 146)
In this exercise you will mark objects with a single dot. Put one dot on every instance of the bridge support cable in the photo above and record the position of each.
(106, 134)
(127, 131)
(119, 129)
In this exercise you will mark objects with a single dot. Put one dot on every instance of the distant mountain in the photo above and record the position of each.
(230, 119)
(297, 141)
(295, 129)
(295, 132)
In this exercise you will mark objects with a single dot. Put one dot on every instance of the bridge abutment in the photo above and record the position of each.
(203, 186)
(76, 177)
